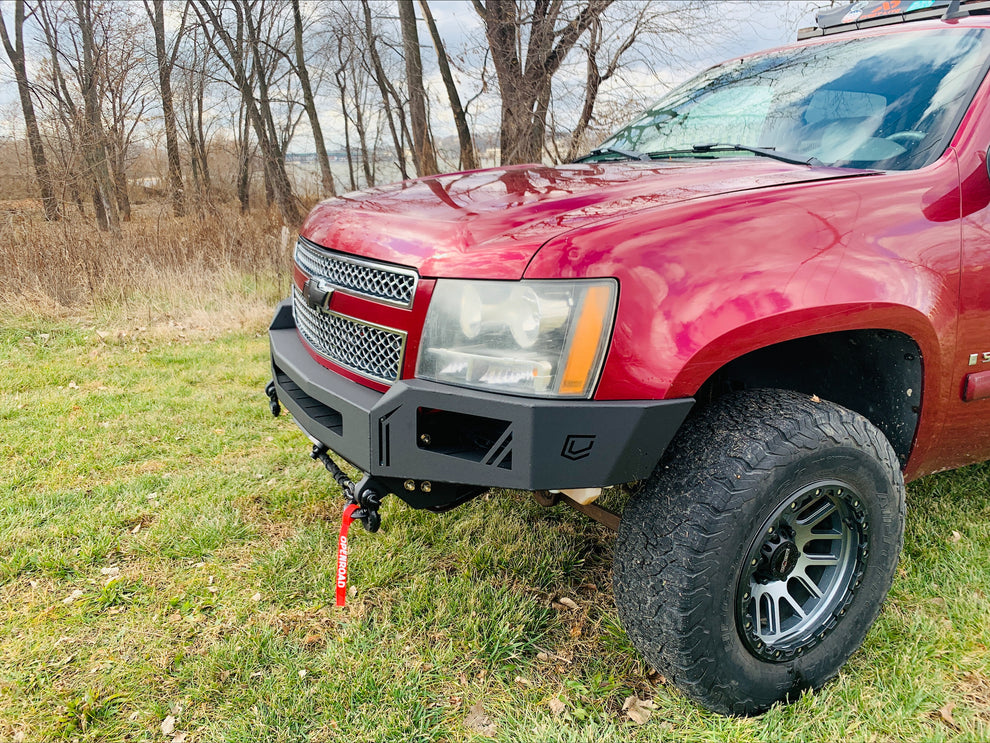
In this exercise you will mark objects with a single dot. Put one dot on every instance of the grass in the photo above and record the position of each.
(166, 549)
(216, 267)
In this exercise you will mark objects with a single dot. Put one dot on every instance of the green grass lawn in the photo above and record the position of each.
(167, 552)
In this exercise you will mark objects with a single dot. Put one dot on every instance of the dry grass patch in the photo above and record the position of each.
(161, 277)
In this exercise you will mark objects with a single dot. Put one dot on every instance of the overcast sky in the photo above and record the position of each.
(745, 27)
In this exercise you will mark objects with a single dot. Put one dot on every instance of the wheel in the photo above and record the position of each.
(758, 554)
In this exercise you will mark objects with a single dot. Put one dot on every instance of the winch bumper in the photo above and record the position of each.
(420, 435)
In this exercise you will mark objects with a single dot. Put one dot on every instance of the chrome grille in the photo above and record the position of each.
(375, 280)
(367, 349)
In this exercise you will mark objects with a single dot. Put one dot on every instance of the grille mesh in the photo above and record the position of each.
(366, 349)
(375, 281)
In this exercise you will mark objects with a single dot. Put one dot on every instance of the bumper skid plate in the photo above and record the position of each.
(436, 445)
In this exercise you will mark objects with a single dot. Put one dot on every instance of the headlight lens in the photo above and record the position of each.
(544, 338)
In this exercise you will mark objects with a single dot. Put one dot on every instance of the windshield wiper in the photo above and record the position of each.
(628, 154)
(761, 151)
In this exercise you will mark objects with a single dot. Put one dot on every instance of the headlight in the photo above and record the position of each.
(545, 338)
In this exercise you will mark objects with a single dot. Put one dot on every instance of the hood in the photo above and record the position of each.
(490, 223)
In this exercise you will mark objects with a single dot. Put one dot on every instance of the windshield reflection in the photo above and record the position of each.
(889, 102)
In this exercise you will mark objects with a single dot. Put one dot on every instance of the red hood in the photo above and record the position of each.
(490, 223)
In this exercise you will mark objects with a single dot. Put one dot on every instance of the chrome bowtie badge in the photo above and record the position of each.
(317, 293)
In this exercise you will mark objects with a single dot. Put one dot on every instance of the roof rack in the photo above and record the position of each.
(869, 14)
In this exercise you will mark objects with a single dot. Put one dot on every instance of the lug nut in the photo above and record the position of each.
(754, 561)
(426, 487)
(409, 484)
(424, 439)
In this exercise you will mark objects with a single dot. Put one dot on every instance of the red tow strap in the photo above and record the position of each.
(342, 554)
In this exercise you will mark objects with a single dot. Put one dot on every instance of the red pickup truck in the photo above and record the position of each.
(766, 301)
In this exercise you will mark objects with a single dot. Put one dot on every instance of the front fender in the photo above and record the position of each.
(705, 281)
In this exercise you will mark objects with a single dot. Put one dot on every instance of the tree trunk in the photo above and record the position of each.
(340, 75)
(369, 176)
(385, 88)
(175, 189)
(244, 167)
(268, 183)
(94, 140)
(193, 152)
(100, 210)
(468, 159)
(204, 163)
(258, 109)
(15, 52)
(425, 158)
(326, 177)
(525, 86)
(120, 186)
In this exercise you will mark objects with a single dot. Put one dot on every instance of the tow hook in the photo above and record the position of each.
(273, 404)
(366, 495)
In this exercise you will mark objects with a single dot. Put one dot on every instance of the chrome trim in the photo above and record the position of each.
(307, 316)
(317, 261)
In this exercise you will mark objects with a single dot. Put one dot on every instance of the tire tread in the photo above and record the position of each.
(723, 453)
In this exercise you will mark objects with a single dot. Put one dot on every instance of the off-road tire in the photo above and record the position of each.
(685, 542)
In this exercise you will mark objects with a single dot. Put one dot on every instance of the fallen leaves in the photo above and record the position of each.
(975, 690)
(479, 721)
(639, 710)
(72, 596)
(168, 725)
(564, 603)
(945, 714)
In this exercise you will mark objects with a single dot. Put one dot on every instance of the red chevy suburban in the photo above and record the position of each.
(767, 300)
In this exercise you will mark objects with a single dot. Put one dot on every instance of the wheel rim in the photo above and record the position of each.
(802, 568)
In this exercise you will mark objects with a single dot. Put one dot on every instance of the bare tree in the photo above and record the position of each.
(468, 160)
(548, 29)
(125, 83)
(342, 76)
(88, 73)
(165, 59)
(75, 42)
(15, 52)
(240, 52)
(195, 67)
(390, 98)
(302, 71)
(423, 155)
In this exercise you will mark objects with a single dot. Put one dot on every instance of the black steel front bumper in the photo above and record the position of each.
(423, 431)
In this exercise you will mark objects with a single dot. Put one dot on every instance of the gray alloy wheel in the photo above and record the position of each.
(803, 567)
(754, 560)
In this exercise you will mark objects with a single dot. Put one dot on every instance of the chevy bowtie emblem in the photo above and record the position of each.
(317, 293)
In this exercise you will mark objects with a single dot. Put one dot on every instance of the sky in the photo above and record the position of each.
(745, 27)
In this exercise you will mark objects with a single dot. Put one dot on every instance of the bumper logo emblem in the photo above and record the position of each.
(577, 447)
(317, 293)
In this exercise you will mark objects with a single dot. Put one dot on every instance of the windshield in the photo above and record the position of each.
(889, 102)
